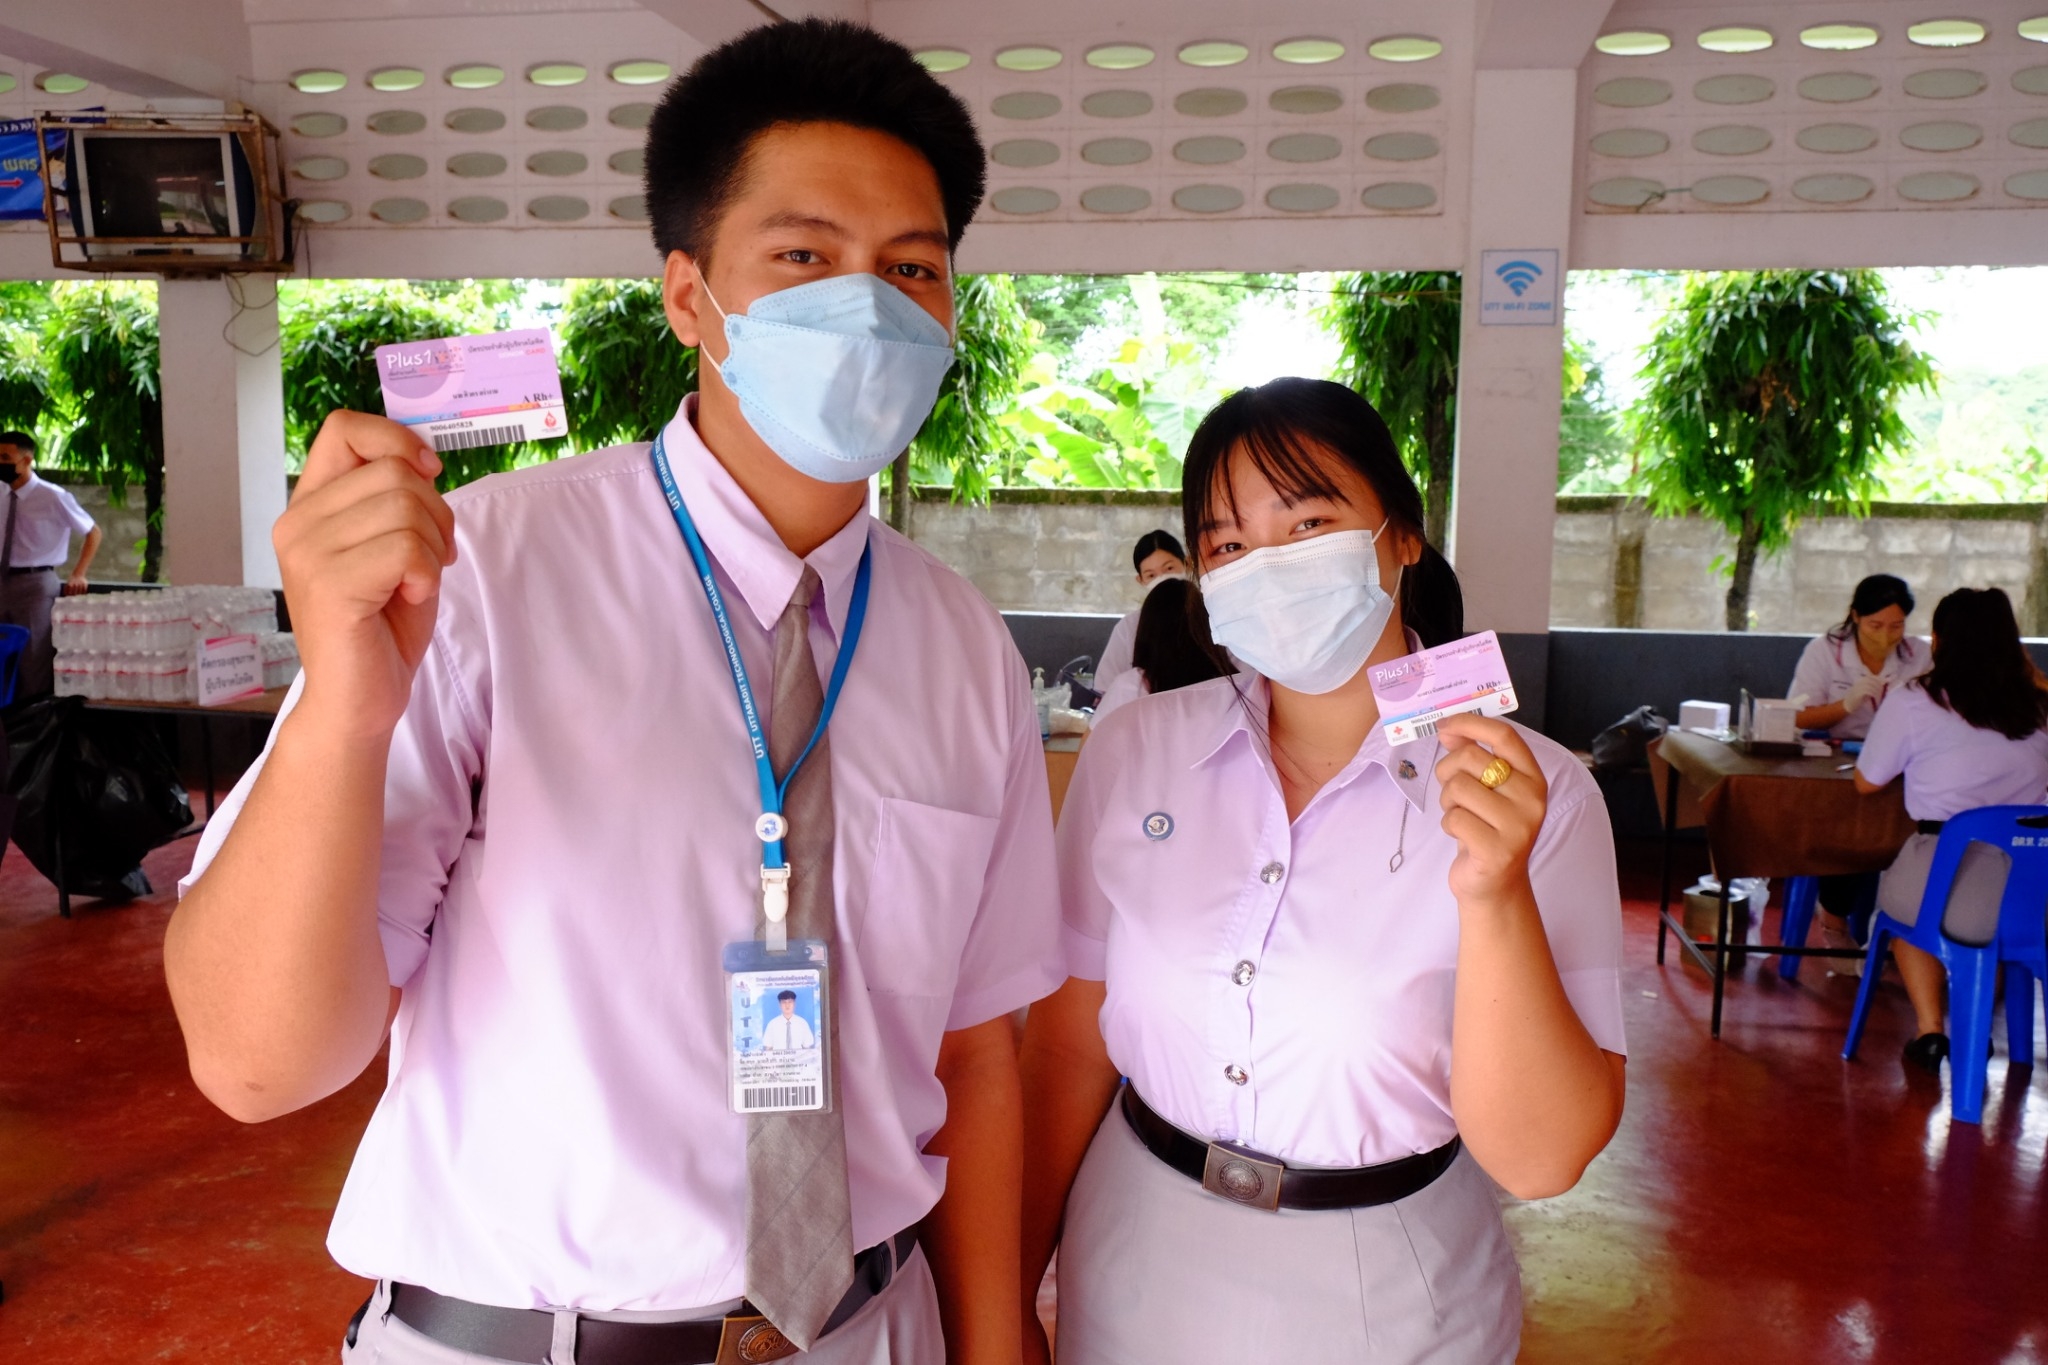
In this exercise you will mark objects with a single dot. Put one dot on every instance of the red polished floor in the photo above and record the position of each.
(1763, 1202)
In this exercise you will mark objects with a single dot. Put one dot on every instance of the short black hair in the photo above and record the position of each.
(1151, 543)
(1172, 644)
(1287, 428)
(20, 440)
(1981, 670)
(802, 71)
(790, 996)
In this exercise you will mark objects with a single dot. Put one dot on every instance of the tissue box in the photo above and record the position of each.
(1774, 722)
(1703, 715)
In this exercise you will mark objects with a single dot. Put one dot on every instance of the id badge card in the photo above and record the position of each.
(778, 1017)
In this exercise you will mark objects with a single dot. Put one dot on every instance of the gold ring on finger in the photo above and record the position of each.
(1496, 773)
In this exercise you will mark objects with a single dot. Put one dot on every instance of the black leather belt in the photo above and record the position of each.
(1258, 1181)
(743, 1337)
(1929, 826)
(33, 568)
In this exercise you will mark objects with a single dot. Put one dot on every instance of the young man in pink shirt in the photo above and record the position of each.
(515, 818)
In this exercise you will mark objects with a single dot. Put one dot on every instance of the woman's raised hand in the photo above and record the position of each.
(1495, 825)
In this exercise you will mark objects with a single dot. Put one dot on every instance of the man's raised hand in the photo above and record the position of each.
(362, 547)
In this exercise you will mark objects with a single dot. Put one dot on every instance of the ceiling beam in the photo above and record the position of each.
(1515, 35)
(712, 22)
(181, 50)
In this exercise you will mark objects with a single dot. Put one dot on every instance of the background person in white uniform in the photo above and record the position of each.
(39, 520)
(1157, 556)
(1172, 648)
(1844, 673)
(788, 1030)
(1967, 733)
(1340, 956)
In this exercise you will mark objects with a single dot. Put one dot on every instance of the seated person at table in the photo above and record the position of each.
(1158, 558)
(1968, 733)
(1172, 647)
(1845, 673)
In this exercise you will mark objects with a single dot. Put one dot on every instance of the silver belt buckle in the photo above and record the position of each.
(1242, 1176)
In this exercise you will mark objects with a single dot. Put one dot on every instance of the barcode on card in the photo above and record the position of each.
(478, 436)
(1425, 729)
(779, 1097)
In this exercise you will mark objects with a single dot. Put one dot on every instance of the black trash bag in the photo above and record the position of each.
(119, 798)
(1625, 744)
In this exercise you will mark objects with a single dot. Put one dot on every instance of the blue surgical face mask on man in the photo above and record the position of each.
(836, 375)
(1305, 615)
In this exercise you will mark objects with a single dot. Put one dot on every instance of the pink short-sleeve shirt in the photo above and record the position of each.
(1278, 985)
(569, 845)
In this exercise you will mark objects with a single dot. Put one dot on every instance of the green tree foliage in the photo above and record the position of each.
(1593, 455)
(963, 440)
(24, 386)
(99, 347)
(624, 374)
(1399, 333)
(1772, 394)
(1125, 426)
(330, 331)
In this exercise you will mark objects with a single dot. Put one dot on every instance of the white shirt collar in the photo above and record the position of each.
(744, 544)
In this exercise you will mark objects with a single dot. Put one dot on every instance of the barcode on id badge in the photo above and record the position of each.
(1424, 729)
(478, 436)
(754, 1098)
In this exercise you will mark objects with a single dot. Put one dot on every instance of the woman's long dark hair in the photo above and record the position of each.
(1283, 426)
(1873, 595)
(1981, 670)
(1172, 645)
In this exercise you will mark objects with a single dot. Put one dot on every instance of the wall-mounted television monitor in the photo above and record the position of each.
(129, 188)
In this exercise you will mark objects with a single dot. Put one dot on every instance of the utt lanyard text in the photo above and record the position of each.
(772, 827)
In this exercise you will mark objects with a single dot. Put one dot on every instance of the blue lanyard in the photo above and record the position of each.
(772, 826)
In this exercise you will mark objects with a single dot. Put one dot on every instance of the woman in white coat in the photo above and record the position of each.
(1846, 672)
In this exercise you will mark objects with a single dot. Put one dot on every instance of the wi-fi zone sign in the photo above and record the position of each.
(1519, 288)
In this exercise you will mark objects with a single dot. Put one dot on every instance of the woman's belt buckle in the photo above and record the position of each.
(1243, 1176)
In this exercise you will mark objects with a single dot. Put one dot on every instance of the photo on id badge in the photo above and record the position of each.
(779, 1041)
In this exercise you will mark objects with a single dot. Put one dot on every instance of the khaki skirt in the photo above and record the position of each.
(1154, 1270)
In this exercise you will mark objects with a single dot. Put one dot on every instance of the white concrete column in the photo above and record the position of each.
(1504, 492)
(223, 387)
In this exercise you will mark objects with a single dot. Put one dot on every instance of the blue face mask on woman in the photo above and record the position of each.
(836, 375)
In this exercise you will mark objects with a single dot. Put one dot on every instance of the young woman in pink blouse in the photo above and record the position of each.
(1353, 988)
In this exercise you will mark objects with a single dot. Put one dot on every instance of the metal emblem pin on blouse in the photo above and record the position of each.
(1407, 770)
(1158, 825)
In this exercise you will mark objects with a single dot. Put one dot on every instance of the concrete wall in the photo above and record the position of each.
(1612, 564)
(1046, 550)
(120, 557)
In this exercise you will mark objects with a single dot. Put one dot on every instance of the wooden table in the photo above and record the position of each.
(1062, 752)
(1768, 817)
(261, 707)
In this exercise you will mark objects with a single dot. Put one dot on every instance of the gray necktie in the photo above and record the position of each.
(799, 1224)
(13, 511)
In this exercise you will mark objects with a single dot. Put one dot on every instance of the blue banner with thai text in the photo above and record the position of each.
(21, 171)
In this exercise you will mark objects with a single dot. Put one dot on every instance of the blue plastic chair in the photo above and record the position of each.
(13, 641)
(2020, 946)
(1802, 894)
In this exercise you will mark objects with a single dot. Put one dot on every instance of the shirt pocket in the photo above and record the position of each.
(923, 894)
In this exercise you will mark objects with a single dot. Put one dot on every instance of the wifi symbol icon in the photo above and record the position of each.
(1518, 275)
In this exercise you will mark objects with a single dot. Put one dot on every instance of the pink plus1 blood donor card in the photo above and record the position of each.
(1418, 690)
(487, 390)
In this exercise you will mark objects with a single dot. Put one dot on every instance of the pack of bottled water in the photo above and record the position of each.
(142, 646)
